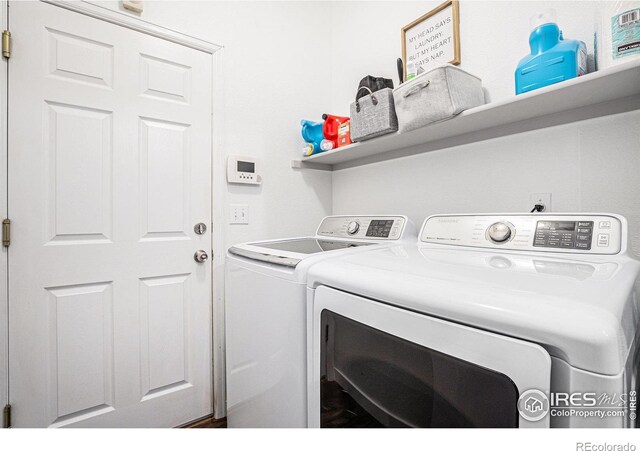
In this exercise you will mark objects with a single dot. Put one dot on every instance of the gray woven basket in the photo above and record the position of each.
(436, 95)
(373, 115)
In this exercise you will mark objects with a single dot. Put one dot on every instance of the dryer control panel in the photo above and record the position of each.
(384, 228)
(591, 234)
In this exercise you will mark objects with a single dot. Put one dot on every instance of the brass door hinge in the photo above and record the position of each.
(6, 417)
(6, 44)
(6, 232)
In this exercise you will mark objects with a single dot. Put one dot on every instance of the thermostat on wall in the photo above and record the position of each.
(243, 170)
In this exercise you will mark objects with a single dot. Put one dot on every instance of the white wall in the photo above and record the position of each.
(591, 166)
(587, 166)
(494, 36)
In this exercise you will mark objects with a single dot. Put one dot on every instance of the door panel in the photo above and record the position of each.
(164, 179)
(165, 79)
(163, 312)
(81, 348)
(80, 201)
(78, 58)
(109, 169)
(376, 373)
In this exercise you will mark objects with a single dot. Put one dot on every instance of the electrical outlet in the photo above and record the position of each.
(238, 214)
(540, 198)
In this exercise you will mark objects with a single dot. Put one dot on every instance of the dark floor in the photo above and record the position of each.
(339, 410)
(208, 423)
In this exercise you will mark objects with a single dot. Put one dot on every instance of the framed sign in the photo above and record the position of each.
(434, 38)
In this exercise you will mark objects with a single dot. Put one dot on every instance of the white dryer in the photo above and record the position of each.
(489, 321)
(266, 314)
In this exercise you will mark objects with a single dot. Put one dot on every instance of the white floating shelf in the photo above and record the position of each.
(610, 91)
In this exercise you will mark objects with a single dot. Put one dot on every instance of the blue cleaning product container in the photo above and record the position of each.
(553, 59)
(312, 134)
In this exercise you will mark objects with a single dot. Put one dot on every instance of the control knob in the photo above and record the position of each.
(353, 227)
(499, 232)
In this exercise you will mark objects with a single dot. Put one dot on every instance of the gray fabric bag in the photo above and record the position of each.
(373, 115)
(436, 95)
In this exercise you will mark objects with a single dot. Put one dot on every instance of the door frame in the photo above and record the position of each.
(126, 20)
(218, 238)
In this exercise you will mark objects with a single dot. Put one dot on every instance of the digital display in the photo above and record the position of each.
(380, 228)
(564, 234)
(556, 225)
(246, 166)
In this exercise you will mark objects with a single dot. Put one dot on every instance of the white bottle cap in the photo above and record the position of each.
(544, 17)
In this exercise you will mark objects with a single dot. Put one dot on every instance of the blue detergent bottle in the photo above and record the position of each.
(553, 59)
(313, 136)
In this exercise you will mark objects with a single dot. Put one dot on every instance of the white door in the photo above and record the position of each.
(109, 171)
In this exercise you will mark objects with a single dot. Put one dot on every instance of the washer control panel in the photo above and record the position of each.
(363, 227)
(564, 234)
(592, 234)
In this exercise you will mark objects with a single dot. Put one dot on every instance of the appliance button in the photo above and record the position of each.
(603, 239)
(585, 224)
(582, 245)
(583, 237)
(585, 230)
(568, 244)
(605, 224)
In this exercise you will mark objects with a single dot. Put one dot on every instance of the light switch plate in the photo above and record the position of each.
(238, 214)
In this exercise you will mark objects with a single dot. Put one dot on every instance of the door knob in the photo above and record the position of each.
(200, 256)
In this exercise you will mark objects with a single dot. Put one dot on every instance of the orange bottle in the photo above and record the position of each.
(344, 134)
(330, 127)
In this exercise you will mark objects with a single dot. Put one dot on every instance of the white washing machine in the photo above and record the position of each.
(265, 314)
(489, 321)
